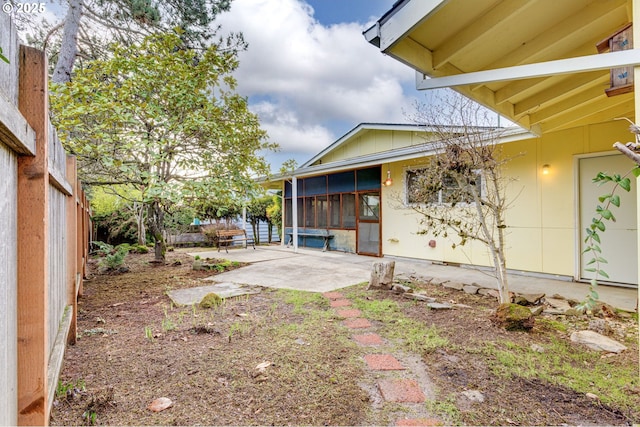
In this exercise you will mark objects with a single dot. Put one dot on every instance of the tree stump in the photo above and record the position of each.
(382, 275)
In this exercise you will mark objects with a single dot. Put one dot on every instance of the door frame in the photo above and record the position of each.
(379, 221)
(577, 217)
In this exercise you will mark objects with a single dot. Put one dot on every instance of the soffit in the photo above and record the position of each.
(462, 36)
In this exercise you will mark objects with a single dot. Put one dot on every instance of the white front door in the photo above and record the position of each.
(619, 240)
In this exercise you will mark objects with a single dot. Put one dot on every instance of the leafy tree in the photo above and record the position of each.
(257, 212)
(164, 119)
(462, 191)
(89, 26)
(218, 210)
(274, 214)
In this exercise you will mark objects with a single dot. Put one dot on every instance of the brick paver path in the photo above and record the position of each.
(392, 389)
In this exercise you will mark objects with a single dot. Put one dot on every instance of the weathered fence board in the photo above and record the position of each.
(44, 238)
(8, 286)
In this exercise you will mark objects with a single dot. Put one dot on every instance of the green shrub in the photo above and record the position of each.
(114, 260)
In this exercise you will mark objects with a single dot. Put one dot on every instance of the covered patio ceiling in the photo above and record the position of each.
(463, 38)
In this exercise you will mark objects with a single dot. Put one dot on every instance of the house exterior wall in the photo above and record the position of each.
(542, 220)
(374, 141)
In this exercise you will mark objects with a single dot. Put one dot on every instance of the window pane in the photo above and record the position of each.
(342, 182)
(287, 189)
(309, 211)
(334, 211)
(369, 207)
(348, 211)
(321, 211)
(315, 185)
(420, 189)
(288, 221)
(300, 212)
(368, 179)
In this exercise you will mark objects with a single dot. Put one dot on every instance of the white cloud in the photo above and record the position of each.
(302, 77)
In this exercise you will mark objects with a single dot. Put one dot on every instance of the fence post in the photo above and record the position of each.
(33, 223)
(72, 252)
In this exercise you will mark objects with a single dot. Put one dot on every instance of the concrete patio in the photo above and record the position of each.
(317, 271)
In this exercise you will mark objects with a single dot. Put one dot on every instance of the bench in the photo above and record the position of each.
(230, 236)
(325, 236)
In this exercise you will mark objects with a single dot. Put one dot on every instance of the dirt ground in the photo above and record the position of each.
(279, 358)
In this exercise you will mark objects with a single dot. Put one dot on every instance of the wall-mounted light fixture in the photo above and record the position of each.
(387, 182)
(546, 169)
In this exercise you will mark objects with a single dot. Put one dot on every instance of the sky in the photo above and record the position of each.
(310, 75)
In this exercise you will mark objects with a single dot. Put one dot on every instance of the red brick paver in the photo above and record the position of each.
(368, 339)
(333, 295)
(358, 323)
(418, 422)
(401, 390)
(340, 303)
(383, 362)
(349, 314)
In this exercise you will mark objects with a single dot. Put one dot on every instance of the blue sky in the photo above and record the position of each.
(311, 76)
(329, 12)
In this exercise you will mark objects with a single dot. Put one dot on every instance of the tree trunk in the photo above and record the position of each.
(156, 221)
(142, 231)
(69, 45)
(382, 275)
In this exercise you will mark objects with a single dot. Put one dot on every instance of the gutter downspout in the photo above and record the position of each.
(294, 212)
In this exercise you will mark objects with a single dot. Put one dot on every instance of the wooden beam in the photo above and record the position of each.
(542, 69)
(71, 221)
(473, 34)
(608, 109)
(33, 257)
(547, 44)
(14, 129)
(566, 106)
(402, 19)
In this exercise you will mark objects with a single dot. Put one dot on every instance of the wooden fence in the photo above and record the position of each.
(44, 237)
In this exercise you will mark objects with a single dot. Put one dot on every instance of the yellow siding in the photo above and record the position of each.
(373, 141)
(542, 218)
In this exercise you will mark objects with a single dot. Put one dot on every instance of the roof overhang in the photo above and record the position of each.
(502, 135)
(535, 62)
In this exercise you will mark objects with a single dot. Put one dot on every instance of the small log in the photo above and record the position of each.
(382, 275)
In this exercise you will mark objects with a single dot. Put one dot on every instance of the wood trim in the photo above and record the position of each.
(33, 257)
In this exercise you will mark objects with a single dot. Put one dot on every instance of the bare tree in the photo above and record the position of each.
(462, 191)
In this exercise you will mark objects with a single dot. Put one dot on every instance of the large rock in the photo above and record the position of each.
(597, 342)
(382, 275)
(514, 317)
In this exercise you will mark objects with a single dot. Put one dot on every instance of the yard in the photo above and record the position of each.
(286, 358)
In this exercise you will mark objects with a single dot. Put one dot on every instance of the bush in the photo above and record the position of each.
(139, 249)
(113, 258)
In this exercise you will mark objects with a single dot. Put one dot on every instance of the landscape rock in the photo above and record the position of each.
(489, 292)
(454, 285)
(532, 299)
(160, 404)
(439, 306)
(419, 297)
(597, 342)
(437, 282)
(514, 317)
(473, 395)
(401, 289)
(592, 396)
(470, 289)
(537, 311)
(537, 348)
(557, 306)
